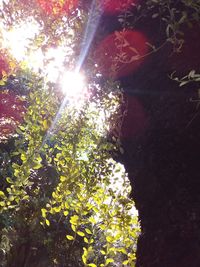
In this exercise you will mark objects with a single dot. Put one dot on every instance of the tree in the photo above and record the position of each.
(60, 189)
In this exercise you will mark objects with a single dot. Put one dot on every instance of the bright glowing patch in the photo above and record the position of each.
(19, 38)
(73, 85)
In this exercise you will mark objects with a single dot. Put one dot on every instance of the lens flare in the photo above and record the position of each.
(116, 6)
(121, 53)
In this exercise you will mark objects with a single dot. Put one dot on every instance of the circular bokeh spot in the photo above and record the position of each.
(12, 110)
(121, 53)
(116, 6)
(55, 7)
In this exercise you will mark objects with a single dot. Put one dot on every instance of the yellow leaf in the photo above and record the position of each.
(86, 240)
(70, 237)
(47, 222)
(2, 82)
(44, 211)
(125, 262)
(67, 192)
(74, 219)
(54, 195)
(23, 157)
(57, 209)
(62, 178)
(80, 233)
(84, 256)
(109, 239)
(92, 220)
(122, 250)
(88, 231)
(109, 260)
(66, 205)
(73, 227)
(2, 194)
(66, 212)
(45, 124)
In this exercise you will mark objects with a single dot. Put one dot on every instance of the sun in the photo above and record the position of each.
(73, 85)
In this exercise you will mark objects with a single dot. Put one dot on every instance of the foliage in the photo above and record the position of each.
(192, 76)
(84, 191)
(172, 16)
(60, 188)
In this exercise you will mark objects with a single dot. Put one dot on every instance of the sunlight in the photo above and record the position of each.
(19, 38)
(19, 41)
(55, 63)
(73, 85)
(3, 1)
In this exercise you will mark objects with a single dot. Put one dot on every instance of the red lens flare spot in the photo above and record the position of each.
(4, 66)
(136, 121)
(121, 53)
(12, 110)
(55, 7)
(117, 6)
